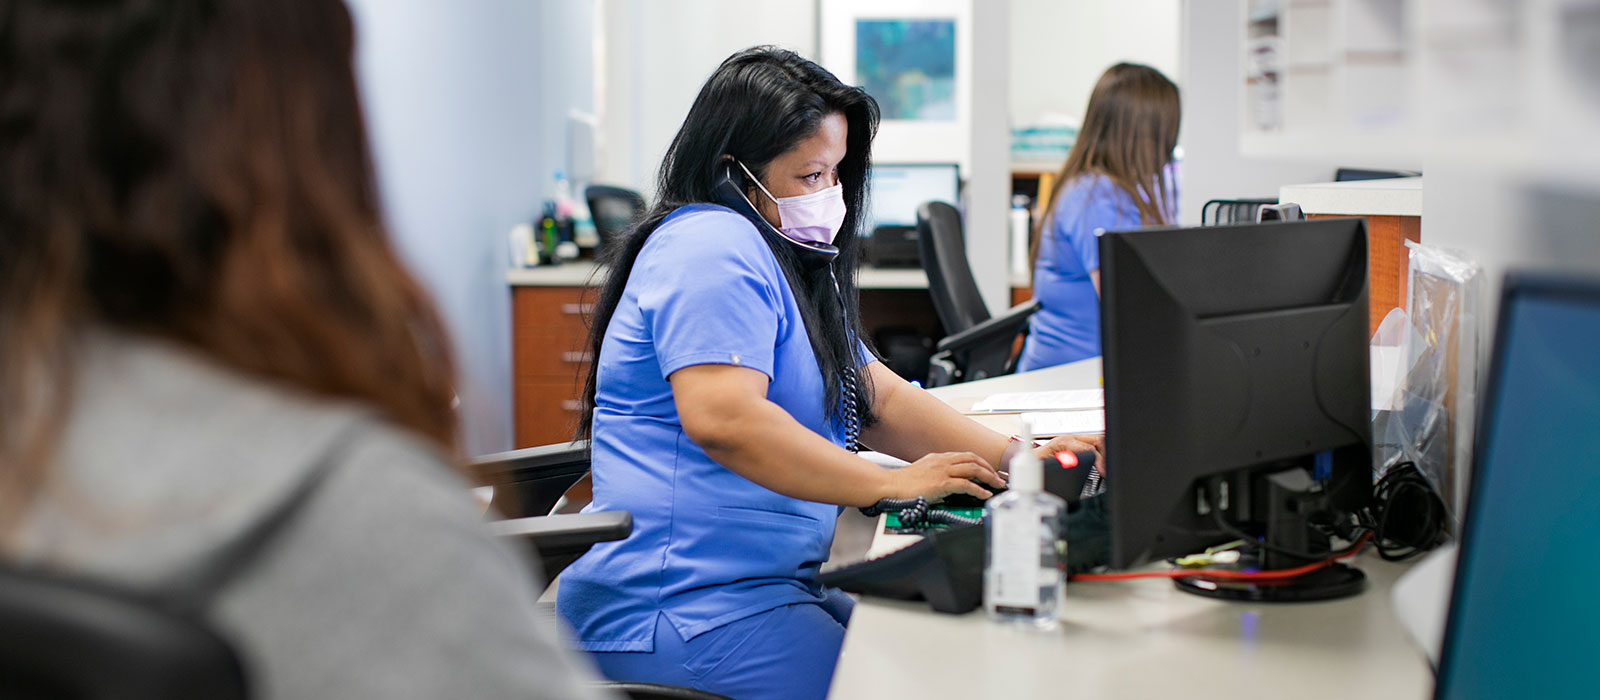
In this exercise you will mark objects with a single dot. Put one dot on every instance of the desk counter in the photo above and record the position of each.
(1140, 639)
(1134, 639)
(581, 273)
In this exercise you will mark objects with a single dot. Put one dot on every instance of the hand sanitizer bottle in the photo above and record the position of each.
(1025, 577)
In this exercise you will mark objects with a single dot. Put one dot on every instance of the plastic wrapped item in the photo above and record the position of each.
(1428, 418)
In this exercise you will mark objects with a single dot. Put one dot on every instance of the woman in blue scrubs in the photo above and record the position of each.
(1119, 175)
(729, 385)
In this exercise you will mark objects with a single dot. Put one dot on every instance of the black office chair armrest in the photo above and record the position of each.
(528, 482)
(544, 458)
(656, 691)
(1006, 326)
(558, 533)
(558, 540)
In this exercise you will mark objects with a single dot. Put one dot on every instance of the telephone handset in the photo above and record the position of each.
(730, 192)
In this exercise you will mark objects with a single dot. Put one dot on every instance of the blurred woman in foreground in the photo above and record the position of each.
(218, 386)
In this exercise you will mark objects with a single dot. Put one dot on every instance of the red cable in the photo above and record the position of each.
(1271, 575)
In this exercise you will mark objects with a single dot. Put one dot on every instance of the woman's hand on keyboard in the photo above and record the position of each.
(1078, 443)
(941, 474)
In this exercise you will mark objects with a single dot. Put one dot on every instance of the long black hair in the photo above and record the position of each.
(759, 104)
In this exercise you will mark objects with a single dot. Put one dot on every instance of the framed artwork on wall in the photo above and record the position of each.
(915, 58)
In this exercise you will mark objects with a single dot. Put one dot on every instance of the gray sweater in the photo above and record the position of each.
(381, 583)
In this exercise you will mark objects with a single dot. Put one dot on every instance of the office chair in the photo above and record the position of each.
(71, 638)
(612, 209)
(67, 638)
(975, 345)
(528, 484)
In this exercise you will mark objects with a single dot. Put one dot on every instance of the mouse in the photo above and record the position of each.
(964, 501)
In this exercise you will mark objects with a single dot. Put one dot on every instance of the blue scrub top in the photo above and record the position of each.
(1067, 326)
(709, 547)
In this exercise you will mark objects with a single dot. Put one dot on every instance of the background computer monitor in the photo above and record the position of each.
(1353, 174)
(1523, 619)
(1237, 389)
(898, 189)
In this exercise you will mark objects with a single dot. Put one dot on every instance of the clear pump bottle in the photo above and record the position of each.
(1025, 576)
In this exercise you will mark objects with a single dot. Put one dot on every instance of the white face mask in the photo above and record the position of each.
(808, 218)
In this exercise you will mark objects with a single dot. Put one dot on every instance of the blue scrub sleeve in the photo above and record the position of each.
(1098, 213)
(711, 296)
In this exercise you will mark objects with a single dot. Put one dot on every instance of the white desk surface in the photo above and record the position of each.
(1134, 639)
(578, 274)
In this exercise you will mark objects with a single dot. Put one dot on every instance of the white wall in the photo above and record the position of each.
(458, 99)
(988, 193)
(1059, 48)
(563, 57)
(658, 54)
(1512, 136)
(1211, 81)
(1506, 221)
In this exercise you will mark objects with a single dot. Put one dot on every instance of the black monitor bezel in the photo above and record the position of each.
(1516, 285)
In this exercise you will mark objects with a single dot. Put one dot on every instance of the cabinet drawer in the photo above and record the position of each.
(550, 358)
(555, 311)
(546, 411)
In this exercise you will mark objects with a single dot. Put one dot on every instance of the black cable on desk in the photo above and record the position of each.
(915, 513)
(1407, 516)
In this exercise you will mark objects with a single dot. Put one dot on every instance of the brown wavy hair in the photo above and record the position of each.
(197, 172)
(1130, 129)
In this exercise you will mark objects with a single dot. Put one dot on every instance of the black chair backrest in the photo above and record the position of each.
(944, 258)
(63, 638)
(612, 209)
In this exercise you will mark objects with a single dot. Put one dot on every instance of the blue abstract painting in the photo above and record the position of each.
(909, 67)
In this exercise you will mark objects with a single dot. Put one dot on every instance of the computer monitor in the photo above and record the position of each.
(898, 189)
(1354, 174)
(1523, 621)
(1237, 395)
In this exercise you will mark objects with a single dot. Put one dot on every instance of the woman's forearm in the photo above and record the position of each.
(724, 409)
(912, 423)
(769, 447)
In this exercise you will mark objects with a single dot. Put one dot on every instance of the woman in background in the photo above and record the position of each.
(730, 389)
(1116, 177)
(218, 386)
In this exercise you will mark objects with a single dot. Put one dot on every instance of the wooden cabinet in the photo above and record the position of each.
(1387, 262)
(549, 361)
(1393, 210)
(1021, 294)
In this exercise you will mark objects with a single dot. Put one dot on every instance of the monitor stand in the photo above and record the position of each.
(1328, 583)
(1291, 501)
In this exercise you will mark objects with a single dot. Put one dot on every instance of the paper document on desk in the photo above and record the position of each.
(1053, 423)
(1020, 402)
